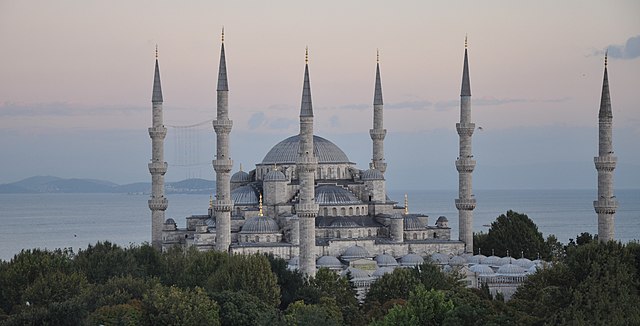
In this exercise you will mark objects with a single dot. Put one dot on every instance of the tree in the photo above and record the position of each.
(515, 233)
(339, 289)
(173, 306)
(241, 308)
(424, 307)
(104, 260)
(396, 285)
(325, 313)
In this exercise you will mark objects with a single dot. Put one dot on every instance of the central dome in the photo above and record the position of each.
(286, 151)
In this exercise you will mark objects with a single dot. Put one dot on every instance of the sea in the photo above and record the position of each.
(77, 220)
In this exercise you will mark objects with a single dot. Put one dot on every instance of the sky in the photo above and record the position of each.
(76, 78)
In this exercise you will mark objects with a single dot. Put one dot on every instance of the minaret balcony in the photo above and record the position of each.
(307, 161)
(465, 129)
(466, 204)
(605, 163)
(377, 134)
(307, 209)
(158, 167)
(222, 166)
(465, 164)
(605, 205)
(222, 205)
(158, 204)
(222, 126)
(157, 132)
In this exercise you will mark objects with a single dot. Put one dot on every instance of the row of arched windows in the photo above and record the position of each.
(343, 211)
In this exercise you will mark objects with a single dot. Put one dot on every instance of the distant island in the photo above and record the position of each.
(50, 184)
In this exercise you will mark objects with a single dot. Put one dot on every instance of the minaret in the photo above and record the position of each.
(158, 167)
(222, 163)
(465, 163)
(606, 204)
(378, 132)
(307, 209)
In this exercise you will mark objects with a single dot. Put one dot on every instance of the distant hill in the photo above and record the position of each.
(49, 184)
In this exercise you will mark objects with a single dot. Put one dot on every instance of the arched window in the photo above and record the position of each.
(435, 235)
(338, 234)
(268, 238)
(327, 233)
(350, 211)
(415, 236)
(326, 211)
(343, 211)
(358, 211)
(338, 173)
(257, 239)
(350, 234)
(335, 211)
(369, 232)
(424, 236)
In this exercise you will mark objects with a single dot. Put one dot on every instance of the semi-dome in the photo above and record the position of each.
(492, 261)
(385, 260)
(275, 175)
(329, 262)
(482, 269)
(411, 260)
(169, 221)
(335, 195)
(240, 177)
(511, 269)
(442, 219)
(244, 195)
(476, 259)
(355, 252)
(260, 224)
(524, 263)
(356, 273)
(372, 174)
(382, 270)
(343, 222)
(412, 223)
(286, 152)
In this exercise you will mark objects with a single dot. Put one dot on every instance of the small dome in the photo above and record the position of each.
(275, 175)
(524, 263)
(411, 260)
(260, 224)
(385, 260)
(169, 221)
(356, 273)
(511, 269)
(533, 269)
(355, 252)
(335, 195)
(240, 177)
(371, 174)
(539, 263)
(506, 260)
(244, 195)
(442, 219)
(440, 258)
(412, 223)
(343, 222)
(481, 269)
(329, 262)
(457, 261)
(492, 261)
(477, 259)
(382, 270)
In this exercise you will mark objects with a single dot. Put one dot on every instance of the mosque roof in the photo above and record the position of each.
(275, 175)
(240, 176)
(355, 252)
(476, 259)
(524, 263)
(440, 258)
(412, 222)
(482, 269)
(356, 273)
(511, 269)
(286, 151)
(245, 195)
(372, 174)
(335, 195)
(383, 270)
(385, 260)
(343, 222)
(457, 261)
(328, 262)
(260, 224)
(411, 260)
(170, 221)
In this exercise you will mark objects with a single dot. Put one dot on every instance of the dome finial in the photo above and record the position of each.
(306, 55)
(157, 52)
(210, 201)
(260, 206)
(222, 36)
(465, 41)
(275, 167)
(606, 56)
(377, 55)
(406, 204)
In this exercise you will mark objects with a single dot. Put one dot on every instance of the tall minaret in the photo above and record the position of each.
(378, 132)
(222, 163)
(465, 163)
(307, 209)
(605, 162)
(158, 167)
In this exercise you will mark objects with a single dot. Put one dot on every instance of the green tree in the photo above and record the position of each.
(515, 233)
(340, 290)
(241, 308)
(129, 314)
(104, 260)
(54, 287)
(325, 313)
(396, 285)
(424, 307)
(173, 306)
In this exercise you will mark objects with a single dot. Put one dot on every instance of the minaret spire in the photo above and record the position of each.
(157, 167)
(465, 163)
(222, 163)
(606, 204)
(378, 132)
(306, 164)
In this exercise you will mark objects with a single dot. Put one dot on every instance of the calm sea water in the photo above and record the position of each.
(76, 220)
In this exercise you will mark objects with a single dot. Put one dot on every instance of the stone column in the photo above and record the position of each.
(157, 167)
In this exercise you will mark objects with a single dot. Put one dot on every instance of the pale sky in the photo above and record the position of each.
(76, 77)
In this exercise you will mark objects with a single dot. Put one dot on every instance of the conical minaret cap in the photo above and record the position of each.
(377, 95)
(605, 99)
(466, 85)
(306, 108)
(157, 88)
(223, 85)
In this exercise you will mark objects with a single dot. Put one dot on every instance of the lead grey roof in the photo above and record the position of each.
(412, 223)
(240, 176)
(605, 99)
(355, 252)
(275, 175)
(361, 221)
(157, 88)
(329, 262)
(260, 224)
(466, 85)
(306, 108)
(245, 195)
(286, 152)
(372, 174)
(223, 84)
(411, 260)
(386, 260)
(377, 95)
(335, 195)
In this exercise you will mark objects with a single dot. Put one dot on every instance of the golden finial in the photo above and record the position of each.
(606, 55)
(377, 55)
(306, 55)
(260, 213)
(406, 204)
(210, 201)
(465, 41)
(156, 51)
(275, 167)
(222, 34)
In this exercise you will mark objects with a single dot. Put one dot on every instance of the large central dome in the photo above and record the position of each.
(286, 151)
